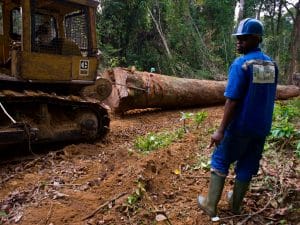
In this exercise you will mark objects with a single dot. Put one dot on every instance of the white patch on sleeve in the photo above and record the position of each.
(263, 74)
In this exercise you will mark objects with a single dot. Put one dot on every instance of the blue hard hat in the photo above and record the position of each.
(249, 26)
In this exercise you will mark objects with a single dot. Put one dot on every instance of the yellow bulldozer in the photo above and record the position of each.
(48, 58)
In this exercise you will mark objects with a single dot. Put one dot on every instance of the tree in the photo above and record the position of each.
(294, 63)
(192, 38)
(174, 37)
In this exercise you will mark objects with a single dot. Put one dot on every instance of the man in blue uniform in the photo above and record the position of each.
(250, 96)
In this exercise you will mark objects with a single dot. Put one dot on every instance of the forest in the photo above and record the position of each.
(154, 162)
(192, 39)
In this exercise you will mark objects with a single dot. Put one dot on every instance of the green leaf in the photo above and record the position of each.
(3, 214)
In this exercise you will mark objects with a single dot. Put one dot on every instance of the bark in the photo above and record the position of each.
(140, 90)
(240, 12)
(161, 34)
(294, 65)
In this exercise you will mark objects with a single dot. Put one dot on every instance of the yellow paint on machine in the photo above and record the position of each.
(42, 66)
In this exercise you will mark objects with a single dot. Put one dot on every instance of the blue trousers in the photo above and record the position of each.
(245, 150)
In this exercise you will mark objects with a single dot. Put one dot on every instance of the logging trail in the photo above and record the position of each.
(109, 182)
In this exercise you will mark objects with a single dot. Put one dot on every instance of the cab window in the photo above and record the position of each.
(16, 24)
(1, 19)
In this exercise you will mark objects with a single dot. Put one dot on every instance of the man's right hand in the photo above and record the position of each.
(216, 138)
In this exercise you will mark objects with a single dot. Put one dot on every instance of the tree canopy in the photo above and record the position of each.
(193, 38)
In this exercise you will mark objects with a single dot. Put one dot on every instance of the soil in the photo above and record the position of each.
(111, 182)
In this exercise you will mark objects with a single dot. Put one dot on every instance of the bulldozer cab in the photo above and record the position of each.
(48, 40)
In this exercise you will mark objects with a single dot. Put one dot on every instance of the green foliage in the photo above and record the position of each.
(3, 214)
(203, 162)
(197, 33)
(153, 141)
(128, 33)
(184, 118)
(200, 117)
(283, 131)
(282, 120)
(136, 196)
(298, 149)
(278, 30)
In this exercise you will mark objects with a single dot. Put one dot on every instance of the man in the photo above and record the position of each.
(44, 36)
(250, 96)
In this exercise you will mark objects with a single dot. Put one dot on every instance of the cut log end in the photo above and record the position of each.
(101, 90)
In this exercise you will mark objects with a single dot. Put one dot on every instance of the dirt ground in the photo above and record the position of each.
(93, 183)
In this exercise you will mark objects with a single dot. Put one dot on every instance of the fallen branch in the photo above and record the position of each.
(49, 213)
(33, 162)
(249, 215)
(258, 212)
(103, 205)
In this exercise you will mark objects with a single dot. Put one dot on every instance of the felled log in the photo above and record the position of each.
(285, 92)
(140, 90)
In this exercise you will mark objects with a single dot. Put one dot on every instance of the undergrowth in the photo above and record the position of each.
(285, 132)
(153, 141)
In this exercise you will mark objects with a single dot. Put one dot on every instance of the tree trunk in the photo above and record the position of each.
(294, 65)
(140, 90)
(240, 10)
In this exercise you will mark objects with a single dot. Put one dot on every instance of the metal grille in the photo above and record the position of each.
(77, 29)
(16, 20)
(45, 34)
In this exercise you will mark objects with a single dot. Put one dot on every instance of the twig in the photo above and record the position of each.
(49, 213)
(63, 185)
(32, 163)
(157, 210)
(249, 215)
(234, 216)
(6, 179)
(204, 177)
(129, 217)
(258, 212)
(103, 205)
(191, 177)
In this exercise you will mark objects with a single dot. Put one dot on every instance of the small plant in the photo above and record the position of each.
(3, 214)
(199, 118)
(153, 141)
(297, 151)
(283, 131)
(203, 162)
(184, 118)
(136, 196)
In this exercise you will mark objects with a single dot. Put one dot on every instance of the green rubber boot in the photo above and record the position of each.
(236, 196)
(209, 204)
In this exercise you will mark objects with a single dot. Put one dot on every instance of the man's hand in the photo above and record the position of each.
(216, 138)
(229, 110)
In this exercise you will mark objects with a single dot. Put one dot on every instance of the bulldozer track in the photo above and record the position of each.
(39, 97)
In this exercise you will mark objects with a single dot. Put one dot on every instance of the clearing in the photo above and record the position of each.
(110, 182)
